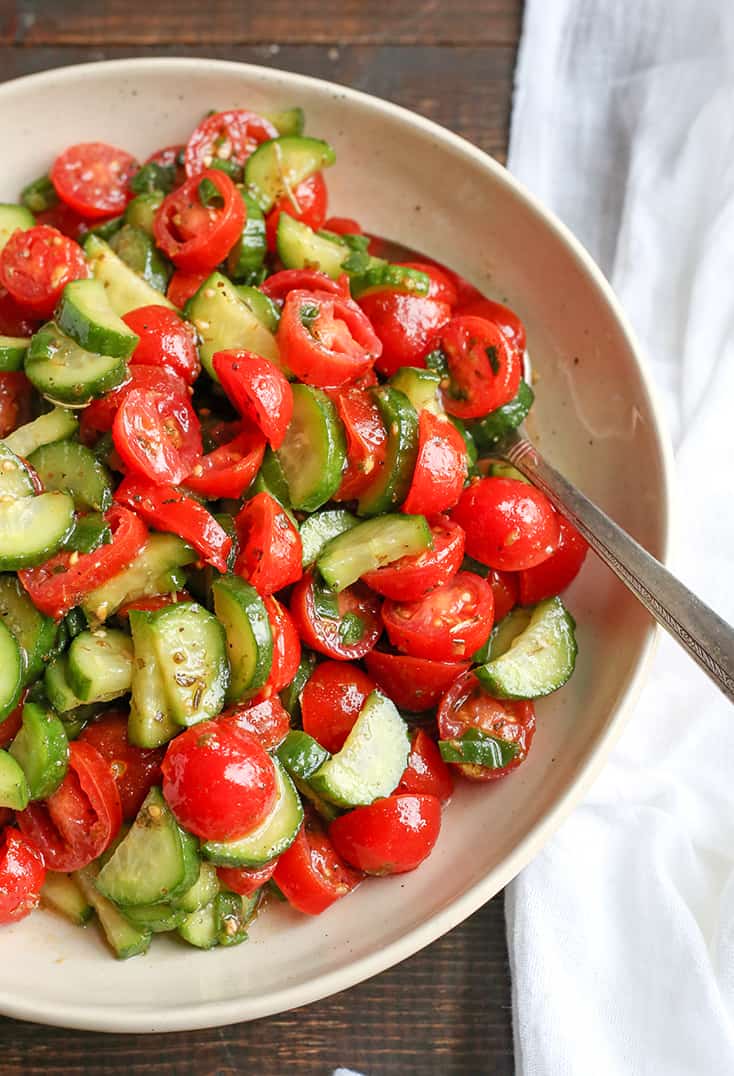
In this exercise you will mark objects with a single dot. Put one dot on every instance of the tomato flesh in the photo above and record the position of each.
(37, 264)
(165, 340)
(366, 441)
(426, 773)
(267, 720)
(246, 880)
(16, 401)
(325, 339)
(484, 369)
(448, 624)
(197, 237)
(157, 435)
(509, 525)
(405, 325)
(228, 470)
(286, 648)
(270, 555)
(134, 769)
(391, 835)
(332, 701)
(258, 390)
(413, 684)
(413, 577)
(22, 873)
(307, 203)
(440, 468)
(311, 874)
(229, 136)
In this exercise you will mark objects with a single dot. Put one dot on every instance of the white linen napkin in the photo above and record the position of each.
(621, 931)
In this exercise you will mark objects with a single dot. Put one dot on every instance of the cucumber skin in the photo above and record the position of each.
(56, 425)
(248, 604)
(40, 362)
(11, 672)
(241, 853)
(15, 608)
(16, 793)
(74, 322)
(500, 677)
(488, 431)
(61, 893)
(333, 451)
(392, 483)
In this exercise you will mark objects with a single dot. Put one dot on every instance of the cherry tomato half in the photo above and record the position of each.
(413, 684)
(218, 781)
(346, 633)
(258, 390)
(484, 369)
(93, 177)
(16, 401)
(228, 136)
(15, 320)
(391, 836)
(277, 286)
(426, 773)
(270, 556)
(37, 264)
(509, 524)
(441, 467)
(442, 286)
(448, 624)
(343, 226)
(286, 648)
(332, 700)
(22, 873)
(557, 572)
(506, 591)
(311, 874)
(99, 415)
(157, 435)
(228, 470)
(10, 725)
(325, 339)
(306, 202)
(405, 324)
(168, 156)
(412, 577)
(182, 286)
(196, 229)
(366, 440)
(473, 303)
(246, 880)
(134, 769)
(165, 340)
(267, 720)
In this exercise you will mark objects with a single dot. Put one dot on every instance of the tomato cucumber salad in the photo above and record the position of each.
(265, 594)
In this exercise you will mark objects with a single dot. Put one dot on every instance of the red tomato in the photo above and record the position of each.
(286, 649)
(258, 390)
(182, 286)
(442, 286)
(270, 555)
(16, 401)
(327, 635)
(218, 781)
(99, 415)
(506, 592)
(15, 320)
(343, 226)
(366, 440)
(62, 582)
(441, 467)
(165, 340)
(169, 509)
(557, 572)
(467, 706)
(134, 769)
(405, 324)
(37, 264)
(170, 155)
(227, 471)
(307, 203)
(391, 836)
(413, 684)
(332, 700)
(10, 725)
(411, 578)
(195, 236)
(277, 286)
(152, 603)
(65, 220)
(484, 369)
(474, 304)
(426, 773)
(449, 623)
(229, 136)
(246, 880)
(157, 435)
(509, 525)
(311, 874)
(325, 339)
(22, 873)
(81, 818)
(93, 177)
(267, 720)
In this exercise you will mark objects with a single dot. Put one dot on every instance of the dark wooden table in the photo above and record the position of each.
(447, 1010)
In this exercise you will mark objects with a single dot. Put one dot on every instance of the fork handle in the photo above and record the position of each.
(707, 638)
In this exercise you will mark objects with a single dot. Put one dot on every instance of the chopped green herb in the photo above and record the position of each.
(478, 748)
(209, 193)
(351, 629)
(154, 177)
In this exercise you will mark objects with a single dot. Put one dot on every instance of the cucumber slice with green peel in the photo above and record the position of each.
(64, 895)
(202, 892)
(501, 469)
(15, 478)
(247, 255)
(147, 575)
(224, 320)
(244, 617)
(301, 755)
(290, 696)
(33, 631)
(502, 635)
(491, 429)
(319, 529)
(326, 810)
(234, 913)
(124, 939)
(126, 290)
(15, 793)
(155, 862)
(422, 387)
(370, 545)
(300, 247)
(75, 622)
(84, 313)
(11, 671)
(89, 533)
(13, 350)
(276, 833)
(57, 686)
(150, 724)
(136, 248)
(190, 649)
(280, 164)
(13, 217)
(264, 309)
(41, 749)
(70, 466)
(477, 748)
(539, 660)
(372, 760)
(32, 529)
(56, 425)
(200, 927)
(74, 721)
(313, 452)
(140, 212)
(472, 453)
(390, 486)
(379, 275)
(100, 665)
(271, 479)
(64, 372)
(39, 195)
(289, 121)
(105, 229)
(157, 918)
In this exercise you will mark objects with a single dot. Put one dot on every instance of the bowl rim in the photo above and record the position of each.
(218, 1013)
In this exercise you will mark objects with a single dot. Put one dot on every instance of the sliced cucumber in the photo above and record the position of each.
(58, 689)
(13, 350)
(56, 425)
(141, 211)
(472, 453)
(503, 635)
(249, 638)
(290, 696)
(15, 478)
(313, 453)
(70, 466)
(319, 529)
(390, 486)
(64, 372)
(300, 247)
(539, 660)
(126, 291)
(301, 755)
(271, 837)
(500, 469)
(491, 429)
(155, 862)
(32, 529)
(156, 918)
(147, 575)
(371, 545)
(477, 748)
(191, 654)
(136, 248)
(89, 533)
(234, 912)
(150, 723)
(375, 274)
(39, 195)
(224, 320)
(247, 255)
(41, 749)
(33, 632)
(289, 121)
(13, 217)
(271, 479)
(105, 229)
(422, 387)
(15, 792)
(124, 939)
(100, 665)
(204, 889)
(11, 671)
(280, 164)
(372, 760)
(84, 313)
(199, 928)
(264, 309)
(64, 895)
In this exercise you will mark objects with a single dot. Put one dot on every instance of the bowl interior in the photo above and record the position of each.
(405, 178)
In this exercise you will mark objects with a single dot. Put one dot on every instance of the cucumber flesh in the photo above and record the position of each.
(280, 164)
(422, 387)
(289, 121)
(224, 320)
(41, 749)
(503, 635)
(160, 554)
(100, 665)
(150, 724)
(33, 631)
(300, 247)
(313, 453)
(70, 466)
(13, 350)
(245, 260)
(64, 895)
(391, 484)
(156, 918)
(15, 478)
(126, 290)
(11, 671)
(13, 217)
(318, 529)
(56, 425)
(84, 313)
(241, 611)
(234, 912)
(15, 793)
(370, 545)
(202, 892)
(199, 928)
(57, 687)
(372, 760)
(190, 653)
(539, 660)
(301, 755)
(124, 939)
(66, 373)
(32, 529)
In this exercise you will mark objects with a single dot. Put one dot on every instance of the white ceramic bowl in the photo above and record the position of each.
(404, 177)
